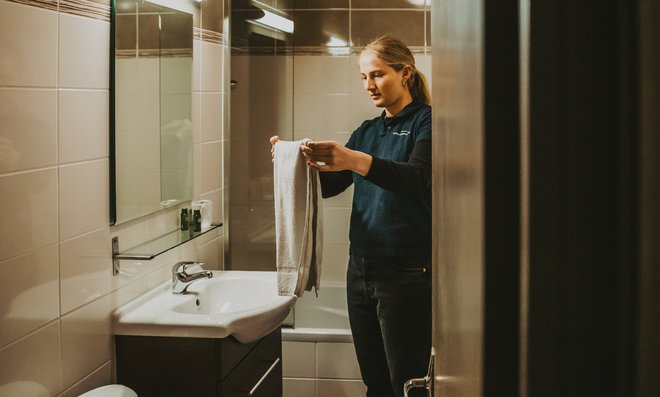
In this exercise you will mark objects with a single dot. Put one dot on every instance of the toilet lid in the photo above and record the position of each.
(110, 391)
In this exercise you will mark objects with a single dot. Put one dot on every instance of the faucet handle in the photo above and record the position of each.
(181, 267)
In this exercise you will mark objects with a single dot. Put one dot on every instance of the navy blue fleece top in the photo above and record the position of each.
(391, 213)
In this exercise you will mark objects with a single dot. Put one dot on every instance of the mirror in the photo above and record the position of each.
(152, 160)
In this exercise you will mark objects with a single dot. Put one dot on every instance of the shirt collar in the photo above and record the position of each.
(408, 109)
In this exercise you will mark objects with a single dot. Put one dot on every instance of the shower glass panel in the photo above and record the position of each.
(261, 106)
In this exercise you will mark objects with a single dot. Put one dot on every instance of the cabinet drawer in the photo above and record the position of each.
(259, 374)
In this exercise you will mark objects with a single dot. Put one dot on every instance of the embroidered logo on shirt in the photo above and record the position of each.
(401, 133)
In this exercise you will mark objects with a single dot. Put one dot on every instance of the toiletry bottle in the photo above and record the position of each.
(197, 220)
(191, 225)
(184, 219)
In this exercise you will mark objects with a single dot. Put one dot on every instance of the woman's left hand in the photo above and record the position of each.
(335, 157)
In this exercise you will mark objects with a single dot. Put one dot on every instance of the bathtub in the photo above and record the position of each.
(319, 319)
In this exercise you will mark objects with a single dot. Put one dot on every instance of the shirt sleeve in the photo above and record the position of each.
(410, 176)
(335, 182)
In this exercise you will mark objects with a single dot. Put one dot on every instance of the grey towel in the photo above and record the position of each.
(298, 221)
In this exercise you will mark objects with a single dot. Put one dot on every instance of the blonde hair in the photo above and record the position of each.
(397, 55)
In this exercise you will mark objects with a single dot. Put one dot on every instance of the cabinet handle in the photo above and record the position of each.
(272, 367)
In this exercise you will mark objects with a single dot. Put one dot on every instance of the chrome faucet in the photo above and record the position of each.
(181, 280)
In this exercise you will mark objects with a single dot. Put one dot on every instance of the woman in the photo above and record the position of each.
(388, 159)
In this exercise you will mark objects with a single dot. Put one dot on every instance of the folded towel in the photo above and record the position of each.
(298, 221)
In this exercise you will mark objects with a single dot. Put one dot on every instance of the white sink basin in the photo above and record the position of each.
(239, 303)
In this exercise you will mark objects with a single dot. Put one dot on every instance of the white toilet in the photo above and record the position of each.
(110, 391)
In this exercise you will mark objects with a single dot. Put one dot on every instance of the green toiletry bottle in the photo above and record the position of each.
(184, 219)
(197, 220)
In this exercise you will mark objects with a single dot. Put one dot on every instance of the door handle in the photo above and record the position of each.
(425, 382)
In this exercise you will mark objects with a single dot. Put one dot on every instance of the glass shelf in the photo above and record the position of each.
(155, 247)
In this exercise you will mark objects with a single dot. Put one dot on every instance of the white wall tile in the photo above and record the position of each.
(28, 132)
(211, 108)
(83, 197)
(85, 269)
(211, 166)
(298, 359)
(336, 360)
(31, 366)
(29, 298)
(83, 125)
(86, 340)
(29, 204)
(298, 387)
(340, 388)
(32, 60)
(84, 52)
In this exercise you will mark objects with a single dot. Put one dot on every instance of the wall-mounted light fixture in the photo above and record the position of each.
(275, 21)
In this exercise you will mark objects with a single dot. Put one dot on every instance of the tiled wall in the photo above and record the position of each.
(57, 292)
(318, 369)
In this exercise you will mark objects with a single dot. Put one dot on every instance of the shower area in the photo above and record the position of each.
(294, 74)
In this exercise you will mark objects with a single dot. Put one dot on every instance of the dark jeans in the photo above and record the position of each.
(389, 308)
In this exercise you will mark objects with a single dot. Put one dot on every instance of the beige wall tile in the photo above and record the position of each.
(319, 27)
(299, 359)
(299, 387)
(98, 378)
(321, 74)
(197, 117)
(335, 263)
(29, 204)
(211, 114)
(407, 26)
(29, 298)
(83, 125)
(336, 223)
(387, 3)
(197, 170)
(84, 52)
(85, 269)
(211, 166)
(28, 131)
(32, 60)
(197, 66)
(336, 360)
(83, 197)
(321, 113)
(211, 67)
(86, 340)
(340, 388)
(31, 366)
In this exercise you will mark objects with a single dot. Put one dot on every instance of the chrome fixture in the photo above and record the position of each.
(181, 280)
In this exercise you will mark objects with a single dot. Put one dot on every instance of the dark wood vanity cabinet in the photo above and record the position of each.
(198, 367)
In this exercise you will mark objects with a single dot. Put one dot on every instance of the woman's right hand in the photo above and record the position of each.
(273, 140)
